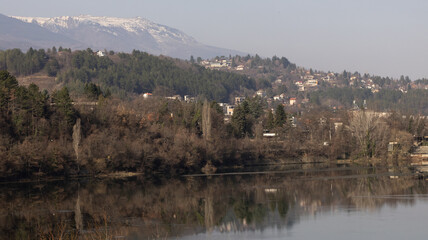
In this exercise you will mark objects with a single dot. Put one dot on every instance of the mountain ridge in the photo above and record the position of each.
(121, 34)
(18, 34)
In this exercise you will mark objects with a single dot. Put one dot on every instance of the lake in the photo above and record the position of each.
(271, 202)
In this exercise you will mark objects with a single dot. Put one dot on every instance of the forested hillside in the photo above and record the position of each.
(123, 73)
(87, 74)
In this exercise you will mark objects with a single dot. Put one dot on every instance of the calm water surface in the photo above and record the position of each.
(294, 202)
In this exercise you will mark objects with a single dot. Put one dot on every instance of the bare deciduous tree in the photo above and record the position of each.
(369, 131)
(206, 120)
(77, 136)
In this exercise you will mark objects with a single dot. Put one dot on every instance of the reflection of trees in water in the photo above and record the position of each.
(176, 207)
(371, 193)
(249, 211)
(78, 215)
(209, 210)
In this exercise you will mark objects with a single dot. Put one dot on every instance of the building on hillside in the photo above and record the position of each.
(238, 100)
(216, 65)
(293, 101)
(229, 110)
(224, 107)
(261, 93)
(269, 135)
(420, 152)
(279, 97)
(189, 99)
(299, 83)
(100, 53)
(175, 97)
(337, 125)
(393, 146)
(312, 83)
(293, 121)
(240, 68)
(326, 78)
(147, 95)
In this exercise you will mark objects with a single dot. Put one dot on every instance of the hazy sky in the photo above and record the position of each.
(385, 37)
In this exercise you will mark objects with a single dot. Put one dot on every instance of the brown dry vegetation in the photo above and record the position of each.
(156, 135)
(40, 79)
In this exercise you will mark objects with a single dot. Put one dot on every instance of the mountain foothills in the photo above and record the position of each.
(118, 34)
(103, 112)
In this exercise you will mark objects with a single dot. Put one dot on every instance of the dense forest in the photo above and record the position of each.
(123, 73)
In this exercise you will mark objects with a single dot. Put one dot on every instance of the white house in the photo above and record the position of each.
(216, 65)
(312, 83)
(100, 53)
(175, 97)
(261, 93)
(299, 83)
(240, 68)
(229, 110)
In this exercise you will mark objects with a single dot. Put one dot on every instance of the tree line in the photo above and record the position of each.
(46, 135)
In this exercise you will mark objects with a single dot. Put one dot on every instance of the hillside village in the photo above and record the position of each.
(293, 87)
(281, 82)
(278, 73)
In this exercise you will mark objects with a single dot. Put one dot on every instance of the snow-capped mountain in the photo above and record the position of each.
(126, 34)
(18, 34)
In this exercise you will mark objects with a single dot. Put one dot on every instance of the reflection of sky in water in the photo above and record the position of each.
(402, 221)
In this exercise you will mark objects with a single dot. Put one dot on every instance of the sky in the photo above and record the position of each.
(382, 37)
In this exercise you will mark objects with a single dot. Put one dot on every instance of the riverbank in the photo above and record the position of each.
(272, 166)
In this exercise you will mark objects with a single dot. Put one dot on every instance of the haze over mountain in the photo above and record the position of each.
(111, 33)
(17, 34)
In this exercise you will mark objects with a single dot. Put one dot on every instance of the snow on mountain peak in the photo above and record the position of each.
(137, 25)
(117, 34)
